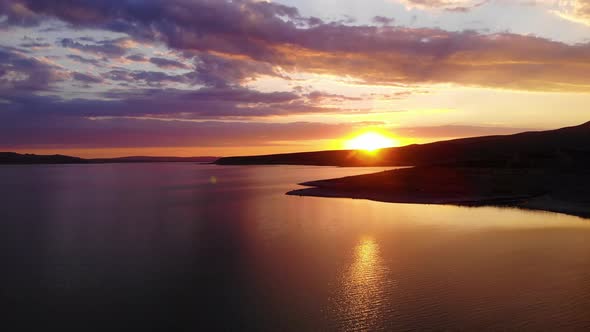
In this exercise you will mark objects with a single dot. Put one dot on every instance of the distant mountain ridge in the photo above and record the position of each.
(17, 158)
(148, 159)
(570, 145)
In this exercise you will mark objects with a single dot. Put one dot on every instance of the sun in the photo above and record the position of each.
(371, 141)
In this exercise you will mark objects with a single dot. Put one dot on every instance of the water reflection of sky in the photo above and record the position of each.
(240, 253)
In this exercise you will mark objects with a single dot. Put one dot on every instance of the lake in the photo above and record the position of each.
(179, 246)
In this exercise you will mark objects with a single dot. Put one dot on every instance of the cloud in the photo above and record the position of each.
(168, 64)
(17, 13)
(384, 55)
(259, 38)
(84, 60)
(220, 103)
(86, 78)
(140, 78)
(137, 58)
(383, 20)
(447, 5)
(23, 73)
(221, 71)
(574, 10)
(34, 45)
(109, 48)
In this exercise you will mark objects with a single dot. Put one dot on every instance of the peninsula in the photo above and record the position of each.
(544, 170)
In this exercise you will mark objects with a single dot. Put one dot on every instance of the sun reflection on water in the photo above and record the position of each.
(361, 297)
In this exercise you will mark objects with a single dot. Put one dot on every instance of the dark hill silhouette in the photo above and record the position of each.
(545, 170)
(148, 159)
(16, 158)
(569, 145)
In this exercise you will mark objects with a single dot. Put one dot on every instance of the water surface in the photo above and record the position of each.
(185, 246)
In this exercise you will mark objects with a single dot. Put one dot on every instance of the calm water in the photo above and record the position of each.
(184, 246)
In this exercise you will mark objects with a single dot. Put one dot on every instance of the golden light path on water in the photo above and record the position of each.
(362, 286)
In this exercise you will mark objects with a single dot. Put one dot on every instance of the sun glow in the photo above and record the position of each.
(371, 141)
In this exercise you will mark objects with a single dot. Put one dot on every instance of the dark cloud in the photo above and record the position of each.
(34, 44)
(22, 73)
(383, 20)
(168, 64)
(108, 48)
(214, 70)
(119, 75)
(86, 78)
(319, 96)
(151, 78)
(170, 103)
(17, 13)
(137, 58)
(35, 121)
(84, 60)
(157, 78)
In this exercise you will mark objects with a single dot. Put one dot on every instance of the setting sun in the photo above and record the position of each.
(371, 141)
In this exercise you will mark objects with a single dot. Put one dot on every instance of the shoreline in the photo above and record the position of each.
(538, 190)
(539, 203)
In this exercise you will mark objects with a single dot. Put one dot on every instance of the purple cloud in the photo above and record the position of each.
(84, 60)
(137, 58)
(109, 48)
(267, 34)
(228, 102)
(168, 64)
(86, 78)
(383, 20)
(19, 72)
(214, 70)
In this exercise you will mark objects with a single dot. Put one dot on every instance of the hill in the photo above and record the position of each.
(547, 170)
(16, 158)
(569, 145)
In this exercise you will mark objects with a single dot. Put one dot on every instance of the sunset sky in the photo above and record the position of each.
(214, 77)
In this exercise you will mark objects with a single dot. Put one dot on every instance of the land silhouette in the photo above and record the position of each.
(540, 148)
(17, 158)
(543, 170)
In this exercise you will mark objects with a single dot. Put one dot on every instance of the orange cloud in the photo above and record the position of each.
(574, 10)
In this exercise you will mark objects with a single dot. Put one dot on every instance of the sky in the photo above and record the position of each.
(214, 77)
